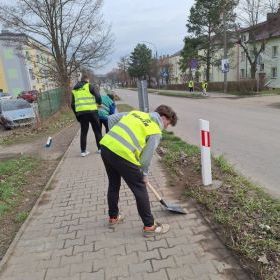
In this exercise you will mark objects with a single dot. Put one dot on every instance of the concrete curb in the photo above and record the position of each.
(25, 224)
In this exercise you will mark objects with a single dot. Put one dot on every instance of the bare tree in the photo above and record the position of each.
(73, 30)
(258, 29)
(249, 12)
(123, 65)
(249, 15)
(271, 6)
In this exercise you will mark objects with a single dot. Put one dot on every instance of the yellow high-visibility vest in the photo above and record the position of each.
(128, 137)
(204, 85)
(84, 100)
(190, 83)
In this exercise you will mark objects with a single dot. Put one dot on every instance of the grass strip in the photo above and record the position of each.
(13, 176)
(248, 218)
(124, 108)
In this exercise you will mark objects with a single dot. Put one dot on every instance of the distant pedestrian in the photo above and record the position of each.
(106, 109)
(127, 150)
(191, 84)
(85, 98)
(204, 86)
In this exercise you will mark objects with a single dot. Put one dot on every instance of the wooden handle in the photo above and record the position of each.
(154, 191)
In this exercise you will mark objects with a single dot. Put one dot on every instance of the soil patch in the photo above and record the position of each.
(36, 181)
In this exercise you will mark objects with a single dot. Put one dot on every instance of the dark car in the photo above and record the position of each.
(15, 113)
(30, 96)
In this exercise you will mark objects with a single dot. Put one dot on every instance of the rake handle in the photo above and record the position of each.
(156, 194)
(154, 191)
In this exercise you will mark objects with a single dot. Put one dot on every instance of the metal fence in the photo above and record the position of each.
(49, 102)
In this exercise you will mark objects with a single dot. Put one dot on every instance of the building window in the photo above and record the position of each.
(274, 72)
(8, 54)
(31, 74)
(262, 67)
(27, 55)
(242, 56)
(274, 51)
(243, 38)
(252, 54)
(242, 73)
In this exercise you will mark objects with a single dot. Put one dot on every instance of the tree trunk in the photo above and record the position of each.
(66, 92)
(253, 70)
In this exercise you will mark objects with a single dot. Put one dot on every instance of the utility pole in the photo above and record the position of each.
(225, 46)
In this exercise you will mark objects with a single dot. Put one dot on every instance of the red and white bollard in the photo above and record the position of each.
(205, 152)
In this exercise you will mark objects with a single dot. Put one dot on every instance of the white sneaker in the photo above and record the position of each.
(84, 154)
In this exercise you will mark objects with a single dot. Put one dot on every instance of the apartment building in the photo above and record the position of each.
(22, 61)
(176, 75)
(267, 33)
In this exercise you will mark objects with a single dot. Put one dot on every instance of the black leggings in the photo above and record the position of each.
(105, 123)
(118, 167)
(86, 119)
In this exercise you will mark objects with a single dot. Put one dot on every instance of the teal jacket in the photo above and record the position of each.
(107, 107)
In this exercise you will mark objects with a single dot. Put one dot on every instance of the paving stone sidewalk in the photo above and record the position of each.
(67, 236)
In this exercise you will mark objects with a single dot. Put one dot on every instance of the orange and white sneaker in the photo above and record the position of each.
(155, 230)
(115, 221)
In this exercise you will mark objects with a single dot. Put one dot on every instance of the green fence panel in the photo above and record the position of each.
(49, 102)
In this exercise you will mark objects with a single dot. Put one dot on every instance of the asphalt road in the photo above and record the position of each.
(245, 130)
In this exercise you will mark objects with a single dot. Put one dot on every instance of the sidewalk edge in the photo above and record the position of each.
(8, 253)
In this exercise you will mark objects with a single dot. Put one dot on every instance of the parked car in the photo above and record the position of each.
(30, 96)
(15, 113)
(4, 95)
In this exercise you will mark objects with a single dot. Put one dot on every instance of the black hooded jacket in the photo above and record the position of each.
(92, 90)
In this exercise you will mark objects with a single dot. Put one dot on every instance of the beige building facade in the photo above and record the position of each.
(22, 61)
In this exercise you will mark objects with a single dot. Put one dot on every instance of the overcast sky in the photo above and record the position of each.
(160, 22)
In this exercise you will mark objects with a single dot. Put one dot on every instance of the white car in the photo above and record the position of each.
(15, 113)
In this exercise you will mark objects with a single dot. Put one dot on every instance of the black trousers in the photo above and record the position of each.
(86, 119)
(105, 123)
(117, 167)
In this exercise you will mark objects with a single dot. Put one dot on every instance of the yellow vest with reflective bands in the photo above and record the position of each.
(128, 137)
(190, 83)
(84, 100)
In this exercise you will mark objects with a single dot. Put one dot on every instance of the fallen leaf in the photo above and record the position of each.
(263, 259)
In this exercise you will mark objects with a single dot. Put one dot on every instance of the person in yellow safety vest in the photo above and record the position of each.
(127, 150)
(85, 98)
(191, 84)
(204, 86)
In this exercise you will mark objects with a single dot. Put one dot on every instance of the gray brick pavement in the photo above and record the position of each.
(67, 236)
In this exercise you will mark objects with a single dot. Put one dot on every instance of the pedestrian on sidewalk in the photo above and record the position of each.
(127, 150)
(191, 84)
(204, 86)
(106, 109)
(85, 98)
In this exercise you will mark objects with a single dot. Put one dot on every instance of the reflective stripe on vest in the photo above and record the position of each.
(131, 134)
(128, 137)
(84, 100)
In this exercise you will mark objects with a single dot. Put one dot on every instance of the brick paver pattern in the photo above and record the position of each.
(67, 236)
